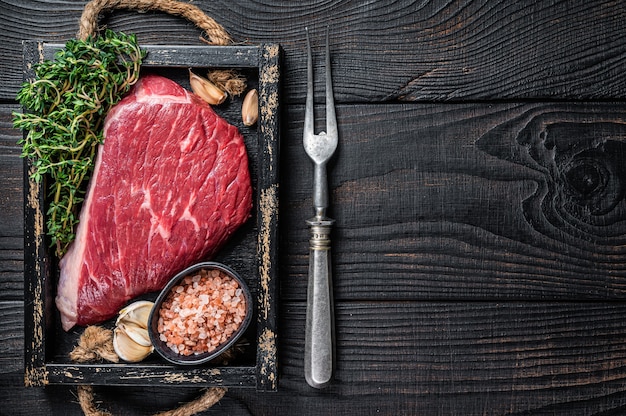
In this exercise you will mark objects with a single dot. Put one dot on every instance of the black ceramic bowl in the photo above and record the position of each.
(194, 359)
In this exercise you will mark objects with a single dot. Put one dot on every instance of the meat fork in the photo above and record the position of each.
(319, 333)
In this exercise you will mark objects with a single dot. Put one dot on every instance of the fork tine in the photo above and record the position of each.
(308, 113)
(331, 118)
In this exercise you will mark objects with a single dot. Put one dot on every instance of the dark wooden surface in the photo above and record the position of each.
(480, 244)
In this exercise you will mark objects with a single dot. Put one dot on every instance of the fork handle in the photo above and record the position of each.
(320, 189)
(320, 332)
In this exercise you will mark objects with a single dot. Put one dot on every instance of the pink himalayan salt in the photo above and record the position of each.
(201, 313)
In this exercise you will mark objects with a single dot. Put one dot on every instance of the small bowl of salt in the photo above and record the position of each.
(201, 313)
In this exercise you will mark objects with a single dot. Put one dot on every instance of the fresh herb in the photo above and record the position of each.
(64, 111)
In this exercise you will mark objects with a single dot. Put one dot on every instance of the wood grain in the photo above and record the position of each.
(451, 201)
(444, 50)
(465, 358)
(428, 358)
(11, 207)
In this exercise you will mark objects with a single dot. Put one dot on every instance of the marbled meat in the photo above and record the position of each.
(171, 183)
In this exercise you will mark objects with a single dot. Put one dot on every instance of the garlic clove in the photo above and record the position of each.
(208, 91)
(137, 334)
(127, 349)
(250, 108)
(137, 313)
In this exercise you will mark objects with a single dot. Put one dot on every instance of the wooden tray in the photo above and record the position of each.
(252, 251)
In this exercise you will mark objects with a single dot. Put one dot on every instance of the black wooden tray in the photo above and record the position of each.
(252, 251)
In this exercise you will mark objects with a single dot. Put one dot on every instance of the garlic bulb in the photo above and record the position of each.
(137, 313)
(208, 91)
(250, 108)
(131, 340)
(127, 349)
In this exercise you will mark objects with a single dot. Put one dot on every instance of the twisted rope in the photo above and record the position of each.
(215, 34)
(96, 343)
(214, 31)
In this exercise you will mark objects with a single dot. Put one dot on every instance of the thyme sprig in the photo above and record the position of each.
(64, 111)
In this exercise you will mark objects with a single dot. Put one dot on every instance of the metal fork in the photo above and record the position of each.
(319, 341)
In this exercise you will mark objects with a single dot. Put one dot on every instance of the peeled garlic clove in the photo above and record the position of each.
(137, 313)
(127, 349)
(250, 108)
(208, 91)
(137, 334)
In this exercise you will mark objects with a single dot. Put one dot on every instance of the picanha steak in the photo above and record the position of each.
(170, 185)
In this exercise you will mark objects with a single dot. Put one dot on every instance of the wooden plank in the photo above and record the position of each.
(468, 201)
(267, 220)
(185, 56)
(150, 375)
(11, 210)
(455, 50)
(12, 337)
(426, 358)
(460, 358)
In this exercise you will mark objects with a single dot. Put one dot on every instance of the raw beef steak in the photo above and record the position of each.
(170, 184)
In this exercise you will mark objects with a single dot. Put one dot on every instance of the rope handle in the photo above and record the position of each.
(228, 80)
(96, 344)
(203, 402)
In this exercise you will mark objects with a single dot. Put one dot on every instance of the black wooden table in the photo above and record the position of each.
(480, 243)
